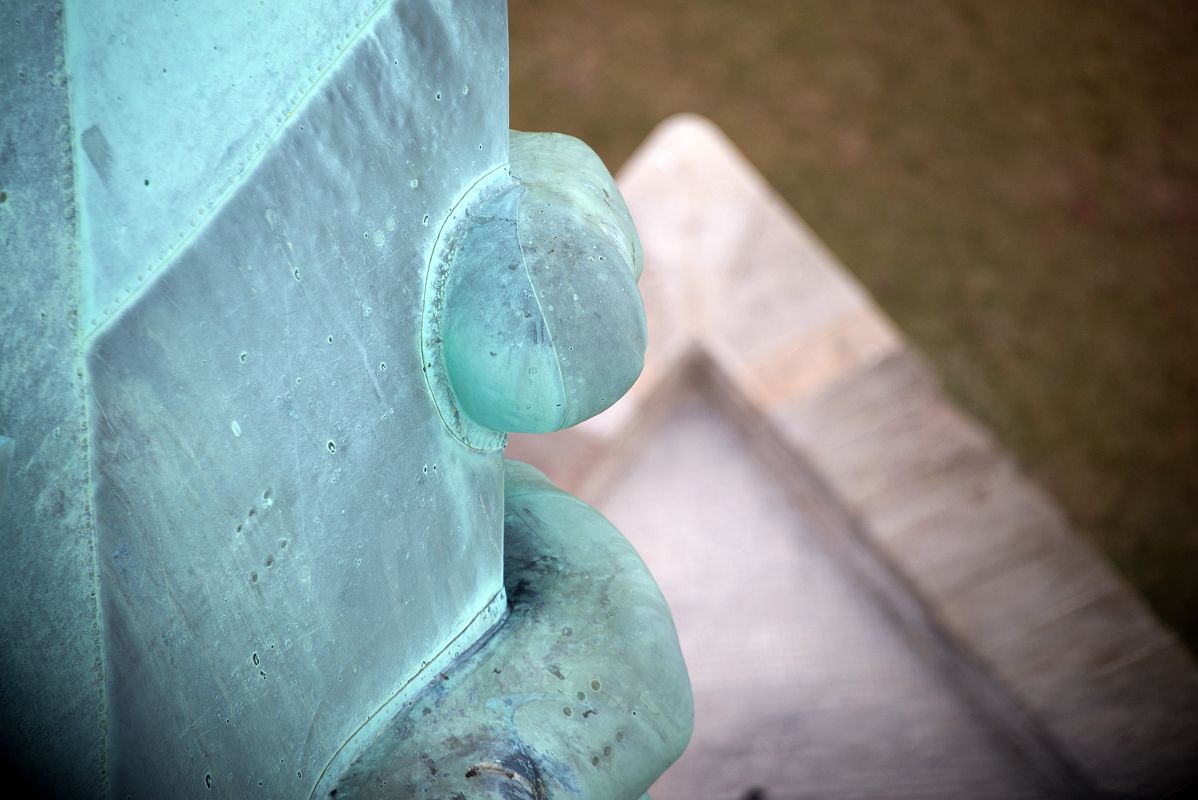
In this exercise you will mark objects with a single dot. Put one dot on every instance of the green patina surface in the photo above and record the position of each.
(580, 693)
(51, 676)
(250, 504)
(543, 325)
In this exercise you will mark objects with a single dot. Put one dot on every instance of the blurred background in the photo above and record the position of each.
(1016, 185)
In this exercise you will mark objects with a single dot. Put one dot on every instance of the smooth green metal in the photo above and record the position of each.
(52, 695)
(255, 266)
(543, 325)
(582, 692)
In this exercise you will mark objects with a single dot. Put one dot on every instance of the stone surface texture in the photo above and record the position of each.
(977, 645)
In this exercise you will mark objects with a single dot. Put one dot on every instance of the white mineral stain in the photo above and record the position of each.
(236, 428)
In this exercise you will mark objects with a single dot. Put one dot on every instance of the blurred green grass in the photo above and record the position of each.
(1016, 183)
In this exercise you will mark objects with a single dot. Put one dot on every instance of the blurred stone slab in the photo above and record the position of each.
(1050, 675)
(804, 686)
